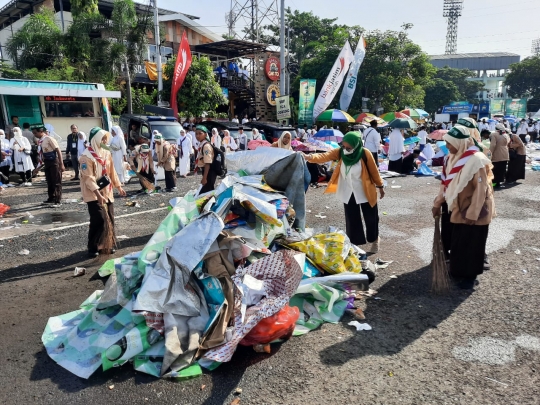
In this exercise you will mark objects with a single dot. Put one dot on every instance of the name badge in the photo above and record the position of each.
(74, 145)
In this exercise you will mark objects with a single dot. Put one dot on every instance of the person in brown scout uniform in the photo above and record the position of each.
(50, 158)
(166, 155)
(205, 157)
(96, 170)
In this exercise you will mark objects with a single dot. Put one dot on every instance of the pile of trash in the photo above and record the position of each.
(235, 266)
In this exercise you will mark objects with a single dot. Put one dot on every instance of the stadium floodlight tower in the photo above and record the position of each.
(452, 10)
(535, 50)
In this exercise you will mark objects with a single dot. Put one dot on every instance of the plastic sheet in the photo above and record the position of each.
(424, 170)
(255, 161)
(278, 326)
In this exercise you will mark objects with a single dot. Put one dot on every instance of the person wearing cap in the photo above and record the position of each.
(204, 159)
(499, 153)
(143, 164)
(185, 151)
(50, 157)
(95, 163)
(472, 126)
(518, 156)
(465, 204)
(166, 158)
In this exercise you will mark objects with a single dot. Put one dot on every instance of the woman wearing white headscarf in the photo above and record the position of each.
(81, 143)
(119, 152)
(215, 139)
(22, 152)
(228, 142)
(185, 150)
(5, 162)
(395, 150)
(95, 163)
(466, 199)
(284, 141)
(256, 135)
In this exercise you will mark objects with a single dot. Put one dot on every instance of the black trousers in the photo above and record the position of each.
(5, 171)
(26, 176)
(353, 222)
(97, 223)
(395, 165)
(313, 169)
(53, 176)
(499, 171)
(468, 250)
(376, 157)
(75, 163)
(170, 179)
(210, 183)
(522, 137)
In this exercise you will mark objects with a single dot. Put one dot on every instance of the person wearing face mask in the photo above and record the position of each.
(215, 139)
(166, 158)
(22, 159)
(96, 164)
(355, 180)
(50, 158)
(143, 164)
(119, 152)
(5, 160)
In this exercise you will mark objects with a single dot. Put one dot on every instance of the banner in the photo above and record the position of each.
(306, 102)
(334, 80)
(497, 105)
(517, 107)
(283, 108)
(350, 84)
(183, 62)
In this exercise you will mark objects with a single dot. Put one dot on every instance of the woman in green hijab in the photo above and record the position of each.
(355, 180)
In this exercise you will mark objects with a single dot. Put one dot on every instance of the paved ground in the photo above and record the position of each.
(469, 348)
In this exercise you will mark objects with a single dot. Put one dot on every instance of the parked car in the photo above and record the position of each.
(169, 127)
(232, 127)
(271, 130)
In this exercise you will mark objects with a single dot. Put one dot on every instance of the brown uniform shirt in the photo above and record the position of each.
(205, 154)
(165, 157)
(517, 144)
(91, 171)
(499, 147)
(48, 144)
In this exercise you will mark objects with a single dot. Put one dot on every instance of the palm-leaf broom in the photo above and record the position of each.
(440, 279)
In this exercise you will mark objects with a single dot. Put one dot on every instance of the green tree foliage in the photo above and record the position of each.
(467, 88)
(200, 92)
(38, 44)
(524, 78)
(81, 7)
(440, 92)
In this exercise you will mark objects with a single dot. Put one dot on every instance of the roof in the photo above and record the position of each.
(17, 87)
(16, 9)
(188, 22)
(476, 61)
(472, 55)
(232, 48)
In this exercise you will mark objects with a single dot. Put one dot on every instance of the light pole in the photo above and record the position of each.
(157, 40)
(282, 50)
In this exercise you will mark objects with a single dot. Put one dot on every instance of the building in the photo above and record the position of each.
(15, 13)
(489, 68)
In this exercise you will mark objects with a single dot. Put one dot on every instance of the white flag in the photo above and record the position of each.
(350, 84)
(334, 80)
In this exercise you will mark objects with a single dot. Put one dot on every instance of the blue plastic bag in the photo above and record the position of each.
(424, 170)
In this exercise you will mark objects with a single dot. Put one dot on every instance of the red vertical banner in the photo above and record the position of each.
(183, 62)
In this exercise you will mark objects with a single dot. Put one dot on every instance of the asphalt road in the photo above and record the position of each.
(468, 348)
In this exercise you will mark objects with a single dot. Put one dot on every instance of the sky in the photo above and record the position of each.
(485, 25)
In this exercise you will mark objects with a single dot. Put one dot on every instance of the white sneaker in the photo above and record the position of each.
(375, 246)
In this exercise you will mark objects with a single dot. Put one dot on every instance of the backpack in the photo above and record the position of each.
(219, 165)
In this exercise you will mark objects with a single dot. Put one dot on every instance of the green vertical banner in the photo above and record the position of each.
(496, 106)
(517, 107)
(307, 102)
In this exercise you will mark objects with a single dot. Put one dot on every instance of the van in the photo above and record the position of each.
(169, 127)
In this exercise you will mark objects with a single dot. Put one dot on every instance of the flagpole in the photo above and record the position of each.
(157, 40)
(282, 53)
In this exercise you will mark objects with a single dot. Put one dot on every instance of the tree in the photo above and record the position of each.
(38, 44)
(200, 92)
(440, 92)
(467, 88)
(82, 7)
(524, 78)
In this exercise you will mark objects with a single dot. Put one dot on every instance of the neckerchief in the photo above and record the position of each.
(457, 167)
(182, 148)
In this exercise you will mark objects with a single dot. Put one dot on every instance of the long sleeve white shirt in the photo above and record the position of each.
(372, 140)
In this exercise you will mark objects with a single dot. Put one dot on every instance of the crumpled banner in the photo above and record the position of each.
(76, 340)
(255, 161)
(330, 252)
(168, 287)
(318, 304)
(281, 275)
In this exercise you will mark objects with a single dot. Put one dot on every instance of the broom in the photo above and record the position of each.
(146, 183)
(108, 238)
(440, 280)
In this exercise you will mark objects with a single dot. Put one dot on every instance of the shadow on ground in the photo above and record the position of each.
(405, 311)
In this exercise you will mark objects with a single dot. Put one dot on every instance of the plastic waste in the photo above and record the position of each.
(24, 252)
(278, 326)
(3, 209)
(79, 271)
(360, 326)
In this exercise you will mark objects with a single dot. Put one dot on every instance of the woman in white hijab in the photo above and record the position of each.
(256, 134)
(22, 156)
(228, 142)
(215, 139)
(119, 152)
(284, 141)
(395, 150)
(6, 164)
(185, 150)
(96, 164)
(81, 144)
